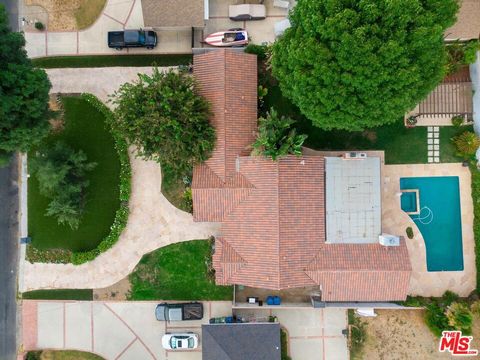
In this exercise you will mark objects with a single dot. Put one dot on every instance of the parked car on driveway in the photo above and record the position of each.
(132, 39)
(180, 341)
(179, 312)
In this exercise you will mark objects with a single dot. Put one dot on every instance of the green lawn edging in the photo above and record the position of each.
(59, 294)
(112, 60)
(121, 216)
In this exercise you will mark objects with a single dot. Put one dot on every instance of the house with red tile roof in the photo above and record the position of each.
(297, 222)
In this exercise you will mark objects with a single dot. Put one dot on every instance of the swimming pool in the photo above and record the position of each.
(439, 219)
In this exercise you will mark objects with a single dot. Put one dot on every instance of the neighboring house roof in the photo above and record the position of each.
(467, 26)
(273, 213)
(173, 13)
(260, 341)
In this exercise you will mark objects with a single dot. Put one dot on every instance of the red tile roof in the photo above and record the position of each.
(228, 79)
(273, 213)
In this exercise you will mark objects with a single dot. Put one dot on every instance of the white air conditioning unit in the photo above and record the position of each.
(389, 240)
(353, 155)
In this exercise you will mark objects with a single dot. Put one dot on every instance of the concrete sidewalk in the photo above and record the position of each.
(113, 330)
(153, 222)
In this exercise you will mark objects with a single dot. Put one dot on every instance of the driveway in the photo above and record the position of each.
(153, 221)
(114, 330)
(314, 334)
(117, 15)
(8, 260)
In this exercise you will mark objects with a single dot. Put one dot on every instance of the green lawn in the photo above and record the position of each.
(401, 145)
(61, 355)
(112, 60)
(61, 294)
(447, 148)
(84, 129)
(177, 272)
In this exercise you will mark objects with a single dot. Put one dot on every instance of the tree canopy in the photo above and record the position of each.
(277, 137)
(61, 173)
(356, 64)
(166, 118)
(24, 111)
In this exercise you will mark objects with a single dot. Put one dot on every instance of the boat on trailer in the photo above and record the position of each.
(232, 37)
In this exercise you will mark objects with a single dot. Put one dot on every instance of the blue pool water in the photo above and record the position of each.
(439, 220)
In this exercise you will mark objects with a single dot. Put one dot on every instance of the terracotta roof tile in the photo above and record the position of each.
(273, 213)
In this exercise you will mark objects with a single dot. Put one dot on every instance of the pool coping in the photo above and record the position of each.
(395, 221)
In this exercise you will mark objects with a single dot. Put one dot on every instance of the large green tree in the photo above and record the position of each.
(24, 111)
(355, 64)
(166, 118)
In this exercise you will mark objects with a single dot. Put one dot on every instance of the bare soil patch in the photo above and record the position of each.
(118, 291)
(70, 15)
(402, 334)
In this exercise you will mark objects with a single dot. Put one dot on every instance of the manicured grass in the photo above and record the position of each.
(447, 148)
(61, 294)
(84, 129)
(112, 60)
(402, 145)
(179, 271)
(61, 355)
(88, 12)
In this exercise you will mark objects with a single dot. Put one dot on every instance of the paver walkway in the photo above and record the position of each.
(433, 143)
(114, 330)
(153, 221)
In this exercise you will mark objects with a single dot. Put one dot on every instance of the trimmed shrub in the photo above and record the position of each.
(409, 232)
(39, 26)
(457, 120)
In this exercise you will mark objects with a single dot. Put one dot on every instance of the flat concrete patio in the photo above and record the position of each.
(395, 221)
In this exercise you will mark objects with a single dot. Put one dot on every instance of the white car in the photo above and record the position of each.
(180, 341)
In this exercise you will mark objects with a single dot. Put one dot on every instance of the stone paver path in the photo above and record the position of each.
(153, 221)
(433, 143)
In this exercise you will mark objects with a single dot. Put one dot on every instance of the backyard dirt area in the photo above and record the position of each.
(118, 291)
(402, 334)
(69, 15)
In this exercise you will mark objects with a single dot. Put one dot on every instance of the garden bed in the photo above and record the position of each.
(179, 271)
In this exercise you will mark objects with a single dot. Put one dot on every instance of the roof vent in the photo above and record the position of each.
(389, 240)
(353, 155)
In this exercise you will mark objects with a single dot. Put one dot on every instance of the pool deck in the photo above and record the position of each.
(395, 221)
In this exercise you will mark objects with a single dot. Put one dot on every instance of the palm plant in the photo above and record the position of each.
(467, 144)
(276, 137)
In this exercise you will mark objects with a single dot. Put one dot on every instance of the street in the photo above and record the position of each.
(8, 260)
(12, 10)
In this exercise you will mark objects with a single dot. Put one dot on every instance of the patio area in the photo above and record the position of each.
(395, 221)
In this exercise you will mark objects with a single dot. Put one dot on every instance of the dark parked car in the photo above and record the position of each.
(179, 312)
(132, 39)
